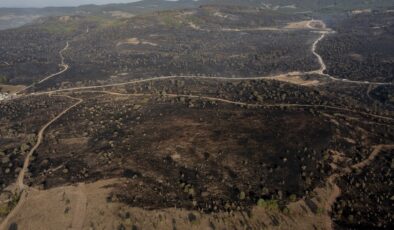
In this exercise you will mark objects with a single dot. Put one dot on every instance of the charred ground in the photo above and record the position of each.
(213, 136)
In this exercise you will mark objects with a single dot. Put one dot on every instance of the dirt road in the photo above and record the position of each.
(20, 180)
(62, 64)
(323, 66)
(298, 25)
(80, 208)
(40, 136)
(251, 105)
(324, 32)
(22, 189)
(336, 191)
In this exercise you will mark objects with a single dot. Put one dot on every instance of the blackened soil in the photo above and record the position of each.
(367, 196)
(209, 157)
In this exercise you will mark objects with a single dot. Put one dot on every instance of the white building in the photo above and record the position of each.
(4, 96)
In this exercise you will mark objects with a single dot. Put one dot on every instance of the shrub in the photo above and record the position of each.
(242, 195)
(3, 79)
(293, 197)
(271, 205)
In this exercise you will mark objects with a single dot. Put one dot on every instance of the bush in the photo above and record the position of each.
(3, 80)
(271, 205)
(242, 196)
(293, 198)
(4, 210)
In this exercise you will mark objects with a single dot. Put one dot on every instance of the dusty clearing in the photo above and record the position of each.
(295, 79)
(298, 25)
(135, 41)
(86, 206)
(11, 88)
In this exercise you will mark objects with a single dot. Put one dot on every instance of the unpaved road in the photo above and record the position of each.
(62, 64)
(23, 190)
(324, 32)
(279, 105)
(323, 66)
(20, 180)
(336, 191)
(289, 27)
(80, 209)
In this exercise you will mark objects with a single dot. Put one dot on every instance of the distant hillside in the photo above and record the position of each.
(15, 17)
(11, 18)
(307, 5)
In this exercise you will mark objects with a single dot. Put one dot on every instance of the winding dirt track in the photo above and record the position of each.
(20, 180)
(21, 187)
(196, 27)
(62, 64)
(323, 66)
(324, 32)
(336, 191)
(215, 99)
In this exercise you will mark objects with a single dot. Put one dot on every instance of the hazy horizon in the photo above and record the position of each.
(47, 3)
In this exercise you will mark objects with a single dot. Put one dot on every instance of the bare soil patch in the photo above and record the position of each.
(11, 88)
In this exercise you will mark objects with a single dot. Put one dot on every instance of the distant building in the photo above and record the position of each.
(4, 96)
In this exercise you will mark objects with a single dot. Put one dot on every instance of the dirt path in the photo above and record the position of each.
(146, 80)
(215, 99)
(336, 191)
(279, 105)
(276, 77)
(376, 150)
(80, 209)
(196, 27)
(298, 25)
(373, 100)
(323, 66)
(22, 189)
(20, 180)
(324, 32)
(62, 64)
(4, 224)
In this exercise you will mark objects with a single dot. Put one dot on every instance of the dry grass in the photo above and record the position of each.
(62, 206)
